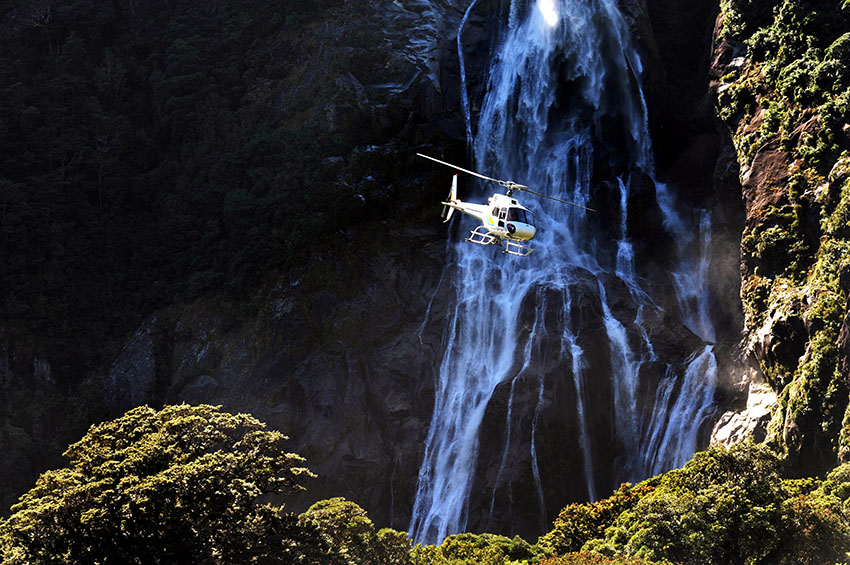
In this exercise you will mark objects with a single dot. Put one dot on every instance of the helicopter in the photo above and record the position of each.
(504, 221)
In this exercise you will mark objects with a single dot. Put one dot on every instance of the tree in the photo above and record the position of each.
(577, 523)
(481, 549)
(180, 485)
(349, 535)
(731, 506)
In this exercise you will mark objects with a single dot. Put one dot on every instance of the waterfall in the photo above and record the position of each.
(564, 98)
(464, 94)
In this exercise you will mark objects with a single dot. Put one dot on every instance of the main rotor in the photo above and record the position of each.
(509, 186)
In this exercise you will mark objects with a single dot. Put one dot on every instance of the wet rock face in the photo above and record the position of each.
(531, 464)
(792, 249)
(131, 380)
(677, 37)
(337, 357)
(510, 493)
(751, 421)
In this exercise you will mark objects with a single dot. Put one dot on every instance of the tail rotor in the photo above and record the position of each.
(448, 210)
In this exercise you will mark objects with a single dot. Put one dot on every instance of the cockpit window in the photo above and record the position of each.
(518, 215)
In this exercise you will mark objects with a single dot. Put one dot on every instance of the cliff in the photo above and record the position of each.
(285, 260)
(781, 88)
(222, 206)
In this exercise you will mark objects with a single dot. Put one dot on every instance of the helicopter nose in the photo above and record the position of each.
(521, 231)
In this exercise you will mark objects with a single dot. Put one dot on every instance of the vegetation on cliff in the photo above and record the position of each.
(155, 153)
(785, 95)
(193, 484)
(151, 153)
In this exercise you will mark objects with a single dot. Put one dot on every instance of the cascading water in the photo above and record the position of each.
(564, 113)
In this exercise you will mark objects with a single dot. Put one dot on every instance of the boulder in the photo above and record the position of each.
(749, 423)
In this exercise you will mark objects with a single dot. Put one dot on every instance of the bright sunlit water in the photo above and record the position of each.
(554, 94)
(548, 11)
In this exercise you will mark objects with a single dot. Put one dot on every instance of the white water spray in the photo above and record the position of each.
(565, 81)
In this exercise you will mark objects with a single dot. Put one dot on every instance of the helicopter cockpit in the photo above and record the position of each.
(519, 215)
(507, 214)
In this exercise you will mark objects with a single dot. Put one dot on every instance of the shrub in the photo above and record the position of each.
(350, 537)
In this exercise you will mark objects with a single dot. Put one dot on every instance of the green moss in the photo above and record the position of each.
(826, 272)
(837, 224)
(736, 101)
(794, 90)
(754, 294)
(742, 17)
(776, 426)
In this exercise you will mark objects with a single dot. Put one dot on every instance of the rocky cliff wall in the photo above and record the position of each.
(315, 350)
(781, 88)
(335, 354)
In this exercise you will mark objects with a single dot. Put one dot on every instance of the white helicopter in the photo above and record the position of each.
(504, 221)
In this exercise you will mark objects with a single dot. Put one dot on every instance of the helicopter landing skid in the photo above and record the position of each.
(481, 236)
(517, 249)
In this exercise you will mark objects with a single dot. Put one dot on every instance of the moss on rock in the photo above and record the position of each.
(792, 93)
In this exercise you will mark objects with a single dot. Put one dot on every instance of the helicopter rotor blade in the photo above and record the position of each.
(554, 198)
(510, 185)
(505, 183)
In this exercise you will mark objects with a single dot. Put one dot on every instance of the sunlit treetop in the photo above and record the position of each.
(178, 485)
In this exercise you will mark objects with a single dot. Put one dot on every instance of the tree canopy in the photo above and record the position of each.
(194, 484)
(186, 484)
(727, 505)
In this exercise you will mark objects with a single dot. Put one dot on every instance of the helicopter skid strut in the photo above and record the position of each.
(481, 236)
(514, 248)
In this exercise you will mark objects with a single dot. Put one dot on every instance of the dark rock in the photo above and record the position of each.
(343, 367)
(681, 112)
(340, 354)
(131, 379)
(763, 180)
(645, 225)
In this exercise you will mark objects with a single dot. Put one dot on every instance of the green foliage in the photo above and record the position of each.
(799, 56)
(36, 424)
(579, 523)
(178, 485)
(591, 558)
(730, 506)
(837, 224)
(793, 94)
(350, 535)
(742, 17)
(188, 485)
(484, 549)
(837, 485)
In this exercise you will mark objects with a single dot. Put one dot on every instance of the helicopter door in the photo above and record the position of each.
(502, 214)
